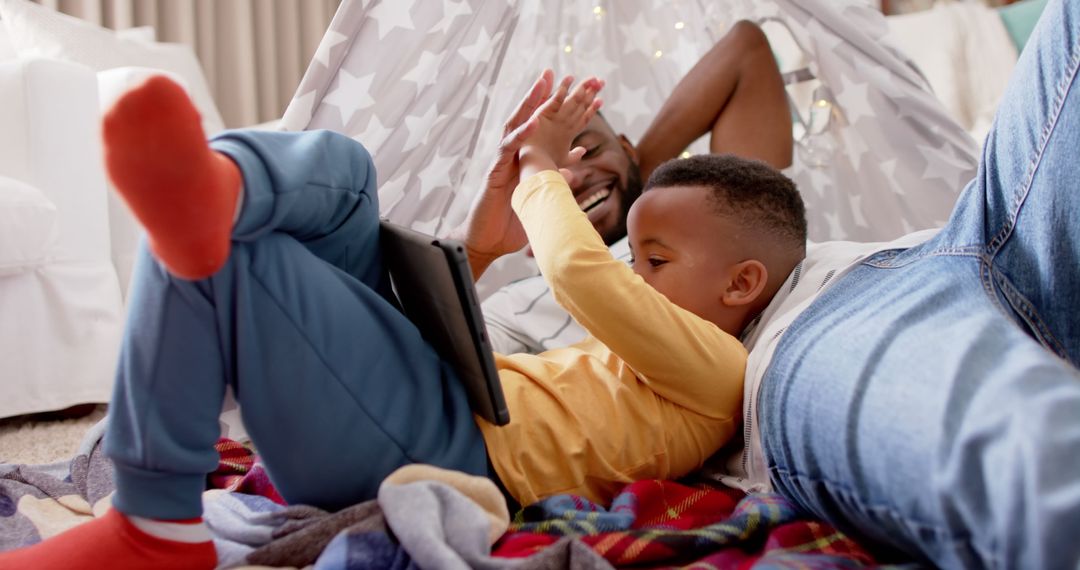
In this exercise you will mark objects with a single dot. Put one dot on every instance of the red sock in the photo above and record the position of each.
(183, 192)
(111, 541)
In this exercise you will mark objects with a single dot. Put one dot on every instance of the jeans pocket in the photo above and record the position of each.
(892, 258)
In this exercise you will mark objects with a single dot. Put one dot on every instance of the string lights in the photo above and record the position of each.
(674, 24)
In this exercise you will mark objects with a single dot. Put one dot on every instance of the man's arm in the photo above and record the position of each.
(491, 228)
(734, 92)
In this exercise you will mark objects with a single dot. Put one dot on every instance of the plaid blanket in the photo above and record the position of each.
(663, 523)
(239, 472)
(650, 524)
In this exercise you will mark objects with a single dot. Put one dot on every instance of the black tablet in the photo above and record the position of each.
(433, 283)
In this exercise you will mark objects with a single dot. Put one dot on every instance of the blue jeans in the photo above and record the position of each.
(929, 402)
(336, 387)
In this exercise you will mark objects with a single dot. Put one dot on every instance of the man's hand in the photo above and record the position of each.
(492, 229)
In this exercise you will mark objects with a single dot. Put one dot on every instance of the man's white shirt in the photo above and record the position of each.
(524, 317)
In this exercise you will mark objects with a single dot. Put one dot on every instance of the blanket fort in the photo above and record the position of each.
(425, 89)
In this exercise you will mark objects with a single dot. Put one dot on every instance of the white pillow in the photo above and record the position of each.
(930, 38)
(28, 231)
(38, 31)
(112, 83)
(144, 34)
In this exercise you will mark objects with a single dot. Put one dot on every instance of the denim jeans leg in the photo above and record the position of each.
(1023, 208)
(907, 409)
(926, 403)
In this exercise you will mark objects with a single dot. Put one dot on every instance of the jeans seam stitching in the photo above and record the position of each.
(987, 279)
(882, 507)
(1061, 90)
(1019, 303)
(962, 251)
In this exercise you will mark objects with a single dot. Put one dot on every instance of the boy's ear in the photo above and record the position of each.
(748, 279)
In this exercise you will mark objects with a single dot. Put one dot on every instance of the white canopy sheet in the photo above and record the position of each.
(427, 85)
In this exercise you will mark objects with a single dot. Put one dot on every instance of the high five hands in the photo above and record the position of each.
(537, 137)
(559, 120)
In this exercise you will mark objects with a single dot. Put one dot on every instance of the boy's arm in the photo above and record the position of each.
(681, 356)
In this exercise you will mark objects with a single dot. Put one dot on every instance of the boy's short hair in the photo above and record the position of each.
(754, 193)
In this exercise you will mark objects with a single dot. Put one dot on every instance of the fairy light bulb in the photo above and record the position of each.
(817, 146)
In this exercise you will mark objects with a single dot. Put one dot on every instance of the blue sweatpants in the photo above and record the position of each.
(336, 387)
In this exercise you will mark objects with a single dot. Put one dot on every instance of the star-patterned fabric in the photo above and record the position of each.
(426, 86)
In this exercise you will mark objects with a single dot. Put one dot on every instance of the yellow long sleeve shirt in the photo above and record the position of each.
(652, 393)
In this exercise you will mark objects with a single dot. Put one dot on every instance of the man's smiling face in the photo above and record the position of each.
(607, 180)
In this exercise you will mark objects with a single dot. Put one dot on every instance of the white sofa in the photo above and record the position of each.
(67, 243)
(61, 308)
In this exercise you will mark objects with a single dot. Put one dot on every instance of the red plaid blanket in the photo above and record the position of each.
(650, 524)
(662, 523)
(238, 471)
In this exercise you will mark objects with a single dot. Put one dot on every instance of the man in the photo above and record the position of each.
(734, 93)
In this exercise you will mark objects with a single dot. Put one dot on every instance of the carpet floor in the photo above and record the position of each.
(45, 438)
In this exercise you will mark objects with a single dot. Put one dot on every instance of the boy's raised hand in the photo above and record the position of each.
(561, 118)
(492, 228)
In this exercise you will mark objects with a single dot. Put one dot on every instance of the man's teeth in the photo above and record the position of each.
(595, 200)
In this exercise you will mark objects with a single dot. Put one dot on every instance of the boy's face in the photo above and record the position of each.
(685, 250)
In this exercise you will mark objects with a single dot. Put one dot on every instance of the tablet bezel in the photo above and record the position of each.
(449, 318)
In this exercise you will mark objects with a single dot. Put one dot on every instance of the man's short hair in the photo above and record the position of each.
(755, 194)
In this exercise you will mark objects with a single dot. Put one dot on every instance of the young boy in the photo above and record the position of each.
(266, 276)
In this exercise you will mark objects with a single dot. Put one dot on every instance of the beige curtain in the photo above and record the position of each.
(253, 52)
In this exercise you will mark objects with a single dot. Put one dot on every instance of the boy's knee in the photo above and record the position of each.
(336, 143)
(274, 250)
(350, 151)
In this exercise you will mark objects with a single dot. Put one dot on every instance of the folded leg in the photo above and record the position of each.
(928, 401)
(907, 409)
(335, 386)
(1021, 211)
